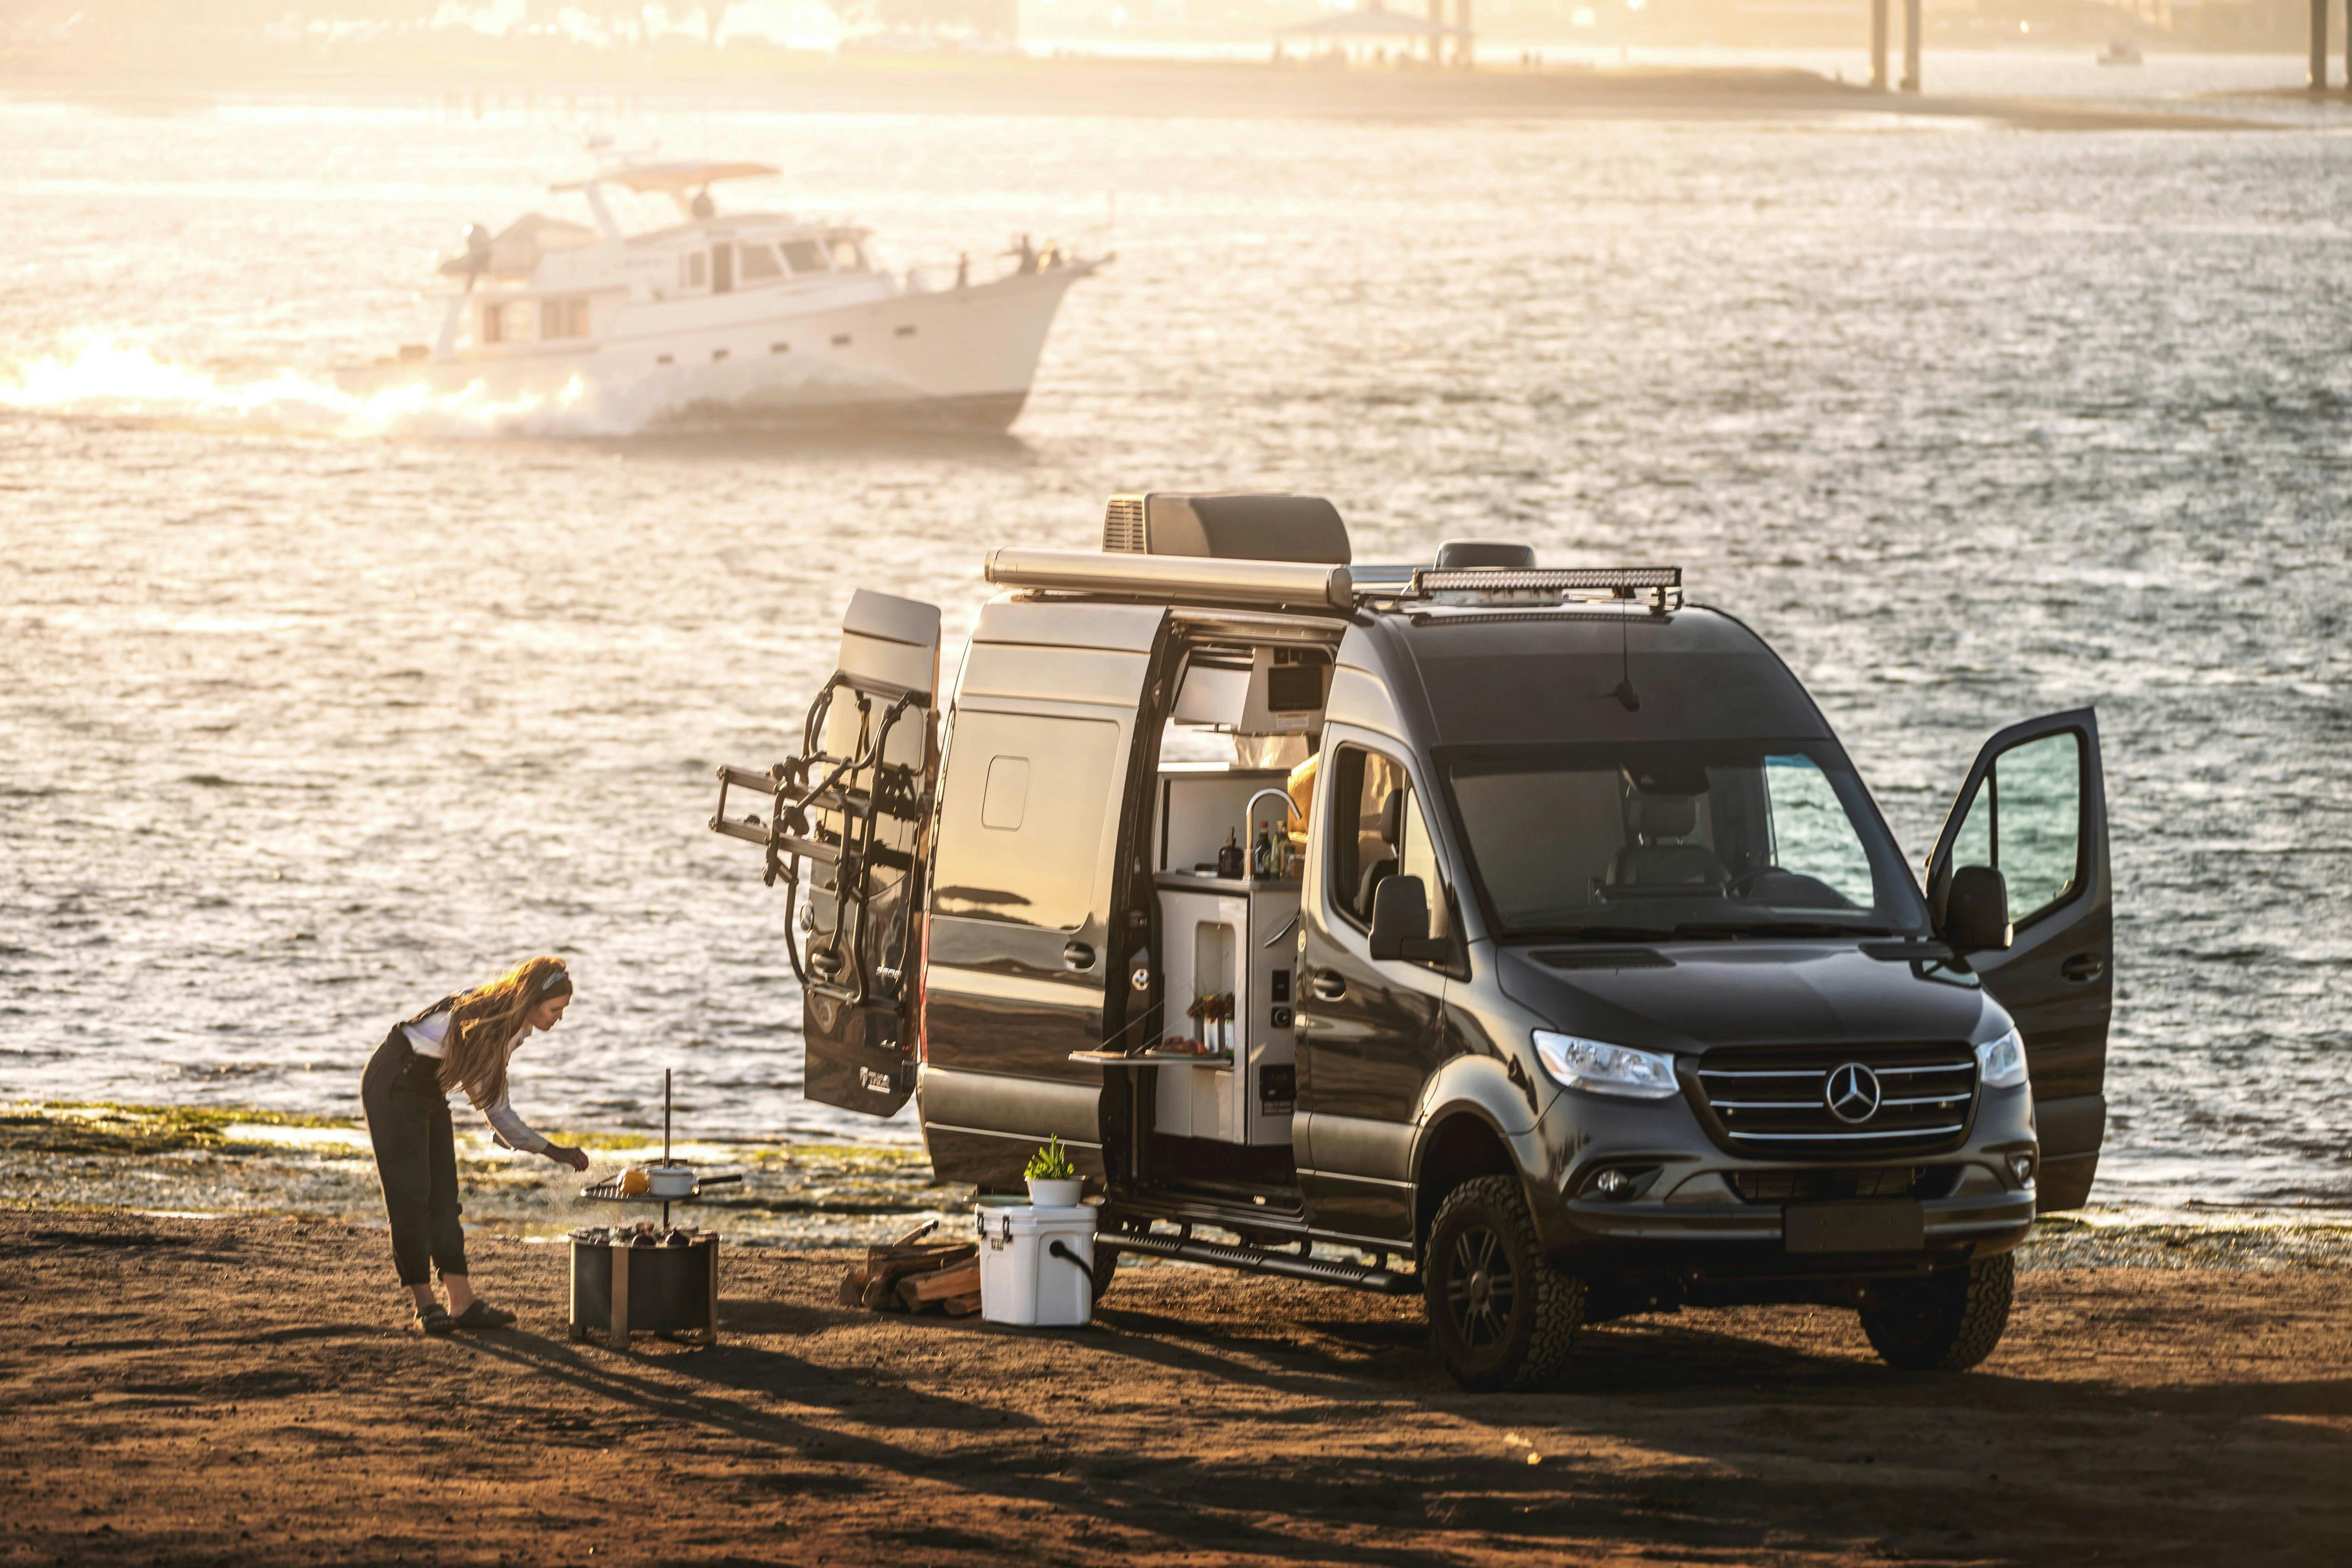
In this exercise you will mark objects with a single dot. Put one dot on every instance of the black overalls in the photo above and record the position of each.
(415, 1154)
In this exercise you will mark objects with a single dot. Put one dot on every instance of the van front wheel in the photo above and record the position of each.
(1946, 1323)
(1501, 1316)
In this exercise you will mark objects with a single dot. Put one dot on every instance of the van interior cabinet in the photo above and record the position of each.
(1222, 939)
(1228, 950)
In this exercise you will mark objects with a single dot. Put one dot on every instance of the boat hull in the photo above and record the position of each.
(960, 357)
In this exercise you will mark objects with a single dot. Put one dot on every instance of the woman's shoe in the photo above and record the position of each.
(482, 1315)
(435, 1320)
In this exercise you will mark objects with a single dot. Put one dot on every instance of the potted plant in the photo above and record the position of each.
(1053, 1182)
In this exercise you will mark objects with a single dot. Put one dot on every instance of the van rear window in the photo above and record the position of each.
(1024, 800)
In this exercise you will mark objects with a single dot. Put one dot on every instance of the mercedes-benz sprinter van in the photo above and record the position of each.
(1520, 936)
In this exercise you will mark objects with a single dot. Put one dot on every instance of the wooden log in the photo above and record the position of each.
(920, 1290)
(961, 1280)
(877, 1286)
(905, 1259)
(962, 1306)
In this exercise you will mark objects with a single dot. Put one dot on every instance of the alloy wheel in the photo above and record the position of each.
(1481, 1289)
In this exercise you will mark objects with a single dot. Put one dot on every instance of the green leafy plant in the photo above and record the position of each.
(1050, 1164)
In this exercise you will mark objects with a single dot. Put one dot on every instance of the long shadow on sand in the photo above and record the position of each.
(1672, 1430)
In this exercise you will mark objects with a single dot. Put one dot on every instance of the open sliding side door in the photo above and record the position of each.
(846, 834)
(2034, 808)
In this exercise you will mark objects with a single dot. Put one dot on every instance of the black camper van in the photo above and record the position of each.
(1520, 936)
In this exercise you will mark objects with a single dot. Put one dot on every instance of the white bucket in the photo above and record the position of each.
(1023, 1281)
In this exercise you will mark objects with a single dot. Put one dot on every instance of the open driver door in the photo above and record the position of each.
(2034, 809)
(844, 832)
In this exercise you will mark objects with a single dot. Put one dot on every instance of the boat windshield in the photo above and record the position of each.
(1651, 839)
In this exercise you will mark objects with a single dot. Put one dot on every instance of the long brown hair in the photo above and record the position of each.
(483, 1023)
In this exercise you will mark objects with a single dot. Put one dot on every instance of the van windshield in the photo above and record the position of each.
(1693, 838)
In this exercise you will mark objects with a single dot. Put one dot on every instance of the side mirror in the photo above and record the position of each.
(1400, 921)
(1976, 911)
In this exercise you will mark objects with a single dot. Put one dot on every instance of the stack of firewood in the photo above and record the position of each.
(911, 1276)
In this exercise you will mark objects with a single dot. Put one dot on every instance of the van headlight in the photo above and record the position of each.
(2001, 1063)
(1601, 1068)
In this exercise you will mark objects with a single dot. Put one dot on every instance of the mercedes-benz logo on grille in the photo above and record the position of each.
(1852, 1093)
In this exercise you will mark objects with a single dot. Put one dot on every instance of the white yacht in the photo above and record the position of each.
(752, 313)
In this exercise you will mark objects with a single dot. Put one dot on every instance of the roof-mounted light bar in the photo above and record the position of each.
(1660, 584)
(1189, 579)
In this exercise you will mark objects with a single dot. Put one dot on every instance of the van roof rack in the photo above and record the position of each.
(1662, 585)
(1318, 588)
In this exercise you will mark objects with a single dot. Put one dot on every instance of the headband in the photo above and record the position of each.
(561, 977)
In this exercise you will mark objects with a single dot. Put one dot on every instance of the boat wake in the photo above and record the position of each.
(105, 379)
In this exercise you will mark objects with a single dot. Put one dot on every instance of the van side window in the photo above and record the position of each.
(1378, 831)
(1022, 804)
(2025, 822)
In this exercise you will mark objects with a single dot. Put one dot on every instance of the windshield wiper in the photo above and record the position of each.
(1718, 928)
(1596, 933)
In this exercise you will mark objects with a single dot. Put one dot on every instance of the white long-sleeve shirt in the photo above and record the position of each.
(427, 1038)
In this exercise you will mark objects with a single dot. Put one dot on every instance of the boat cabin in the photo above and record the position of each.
(545, 281)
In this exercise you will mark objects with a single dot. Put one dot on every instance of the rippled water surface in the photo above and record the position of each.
(313, 711)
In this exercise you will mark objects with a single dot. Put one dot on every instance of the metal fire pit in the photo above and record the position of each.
(660, 1289)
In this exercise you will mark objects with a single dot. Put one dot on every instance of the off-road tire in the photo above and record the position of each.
(1500, 1315)
(1106, 1266)
(1946, 1323)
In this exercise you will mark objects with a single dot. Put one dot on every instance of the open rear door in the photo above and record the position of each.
(1039, 792)
(2034, 808)
(846, 834)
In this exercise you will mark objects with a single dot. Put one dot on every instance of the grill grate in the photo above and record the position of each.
(1776, 1104)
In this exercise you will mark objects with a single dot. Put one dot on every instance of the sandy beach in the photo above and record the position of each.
(242, 1390)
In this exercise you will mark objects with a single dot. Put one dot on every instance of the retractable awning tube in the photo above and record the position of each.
(1193, 579)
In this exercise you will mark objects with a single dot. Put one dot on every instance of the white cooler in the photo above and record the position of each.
(1021, 1279)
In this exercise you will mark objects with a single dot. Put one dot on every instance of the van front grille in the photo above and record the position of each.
(1123, 526)
(1844, 1101)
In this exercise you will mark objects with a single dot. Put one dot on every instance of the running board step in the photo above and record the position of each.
(1264, 1260)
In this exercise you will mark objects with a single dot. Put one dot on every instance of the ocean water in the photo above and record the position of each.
(313, 710)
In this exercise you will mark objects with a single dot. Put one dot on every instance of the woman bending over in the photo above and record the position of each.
(460, 1043)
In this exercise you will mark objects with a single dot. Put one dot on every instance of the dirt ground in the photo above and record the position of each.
(244, 1391)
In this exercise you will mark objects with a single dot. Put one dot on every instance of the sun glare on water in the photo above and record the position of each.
(104, 379)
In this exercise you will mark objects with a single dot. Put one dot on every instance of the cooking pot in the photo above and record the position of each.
(669, 1180)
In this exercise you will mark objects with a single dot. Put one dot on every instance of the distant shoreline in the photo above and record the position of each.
(1092, 86)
